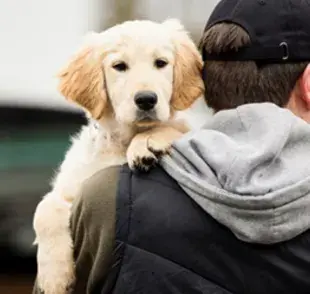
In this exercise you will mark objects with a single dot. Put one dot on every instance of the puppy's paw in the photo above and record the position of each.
(139, 157)
(56, 268)
(146, 148)
(56, 275)
(161, 140)
(158, 146)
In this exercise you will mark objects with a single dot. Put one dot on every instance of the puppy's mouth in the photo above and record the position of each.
(146, 118)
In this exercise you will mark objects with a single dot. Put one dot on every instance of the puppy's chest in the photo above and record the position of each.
(104, 149)
(107, 154)
(107, 158)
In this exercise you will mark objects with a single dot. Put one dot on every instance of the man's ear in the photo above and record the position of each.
(305, 86)
(82, 79)
(188, 84)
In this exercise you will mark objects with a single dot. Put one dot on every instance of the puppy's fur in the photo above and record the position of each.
(104, 78)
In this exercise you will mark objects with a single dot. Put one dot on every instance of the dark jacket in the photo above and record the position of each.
(140, 233)
(236, 182)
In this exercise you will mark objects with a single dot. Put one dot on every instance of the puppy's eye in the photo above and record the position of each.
(160, 63)
(120, 66)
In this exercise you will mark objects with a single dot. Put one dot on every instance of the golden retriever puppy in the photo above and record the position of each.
(130, 80)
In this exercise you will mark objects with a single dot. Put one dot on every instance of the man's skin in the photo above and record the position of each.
(299, 102)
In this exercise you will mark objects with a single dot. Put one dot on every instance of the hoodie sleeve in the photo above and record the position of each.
(93, 226)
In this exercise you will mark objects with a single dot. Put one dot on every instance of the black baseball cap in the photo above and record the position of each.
(279, 29)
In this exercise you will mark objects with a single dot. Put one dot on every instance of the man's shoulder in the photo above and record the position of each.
(101, 188)
(101, 183)
(99, 191)
(103, 178)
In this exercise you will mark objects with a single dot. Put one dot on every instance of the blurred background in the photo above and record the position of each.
(37, 37)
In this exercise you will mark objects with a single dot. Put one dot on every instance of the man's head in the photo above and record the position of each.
(258, 51)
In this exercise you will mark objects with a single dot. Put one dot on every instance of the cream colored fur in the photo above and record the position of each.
(118, 134)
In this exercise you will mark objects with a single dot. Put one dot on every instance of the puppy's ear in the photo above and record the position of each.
(82, 80)
(188, 84)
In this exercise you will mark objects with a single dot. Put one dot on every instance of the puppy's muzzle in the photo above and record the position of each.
(146, 100)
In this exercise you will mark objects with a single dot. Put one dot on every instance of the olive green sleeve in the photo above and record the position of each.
(93, 229)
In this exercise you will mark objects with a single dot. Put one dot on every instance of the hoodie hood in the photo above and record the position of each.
(249, 168)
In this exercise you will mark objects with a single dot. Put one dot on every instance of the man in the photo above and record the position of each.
(228, 210)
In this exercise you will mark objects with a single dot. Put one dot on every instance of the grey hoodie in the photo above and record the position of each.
(249, 168)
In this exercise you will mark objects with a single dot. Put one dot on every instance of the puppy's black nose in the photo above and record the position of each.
(146, 100)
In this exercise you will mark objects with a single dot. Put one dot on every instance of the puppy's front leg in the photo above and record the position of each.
(139, 157)
(147, 147)
(56, 271)
(160, 139)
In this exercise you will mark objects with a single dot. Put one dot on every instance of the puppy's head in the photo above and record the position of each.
(140, 70)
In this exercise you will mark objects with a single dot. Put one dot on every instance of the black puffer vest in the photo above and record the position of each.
(165, 243)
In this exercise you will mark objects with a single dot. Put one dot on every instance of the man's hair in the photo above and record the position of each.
(233, 83)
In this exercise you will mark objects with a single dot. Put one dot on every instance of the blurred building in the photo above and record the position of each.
(37, 37)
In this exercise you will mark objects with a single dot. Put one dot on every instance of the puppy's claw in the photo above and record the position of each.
(143, 164)
(148, 161)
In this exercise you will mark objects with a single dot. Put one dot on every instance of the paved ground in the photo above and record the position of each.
(16, 284)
